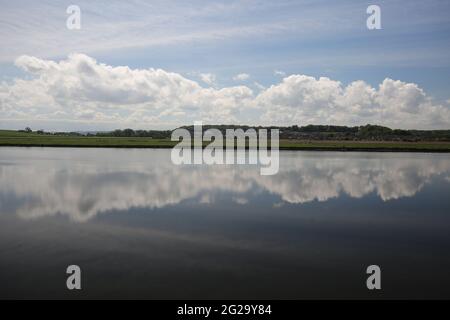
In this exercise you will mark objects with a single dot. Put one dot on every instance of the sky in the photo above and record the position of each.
(162, 64)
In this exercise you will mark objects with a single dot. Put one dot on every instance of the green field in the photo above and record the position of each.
(15, 138)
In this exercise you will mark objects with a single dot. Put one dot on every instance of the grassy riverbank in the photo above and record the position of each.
(22, 139)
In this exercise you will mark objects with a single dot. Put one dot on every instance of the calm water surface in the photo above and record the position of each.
(140, 227)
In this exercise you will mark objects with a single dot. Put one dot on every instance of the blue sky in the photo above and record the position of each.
(225, 38)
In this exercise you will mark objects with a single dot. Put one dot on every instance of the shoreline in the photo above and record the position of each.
(343, 148)
(20, 139)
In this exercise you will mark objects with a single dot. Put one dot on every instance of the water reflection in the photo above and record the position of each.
(82, 183)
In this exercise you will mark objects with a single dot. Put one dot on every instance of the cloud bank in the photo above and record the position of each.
(81, 89)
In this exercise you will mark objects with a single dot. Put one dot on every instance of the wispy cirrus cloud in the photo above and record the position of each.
(108, 25)
(39, 28)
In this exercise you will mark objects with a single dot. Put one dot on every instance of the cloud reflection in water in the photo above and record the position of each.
(82, 183)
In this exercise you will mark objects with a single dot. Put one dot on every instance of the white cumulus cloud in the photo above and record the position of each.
(208, 78)
(81, 89)
(303, 99)
(241, 77)
(279, 73)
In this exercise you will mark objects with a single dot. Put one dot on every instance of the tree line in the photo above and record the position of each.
(308, 132)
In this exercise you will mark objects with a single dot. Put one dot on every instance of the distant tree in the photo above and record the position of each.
(128, 132)
(117, 133)
(28, 129)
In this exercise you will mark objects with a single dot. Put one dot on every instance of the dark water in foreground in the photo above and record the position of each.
(140, 227)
